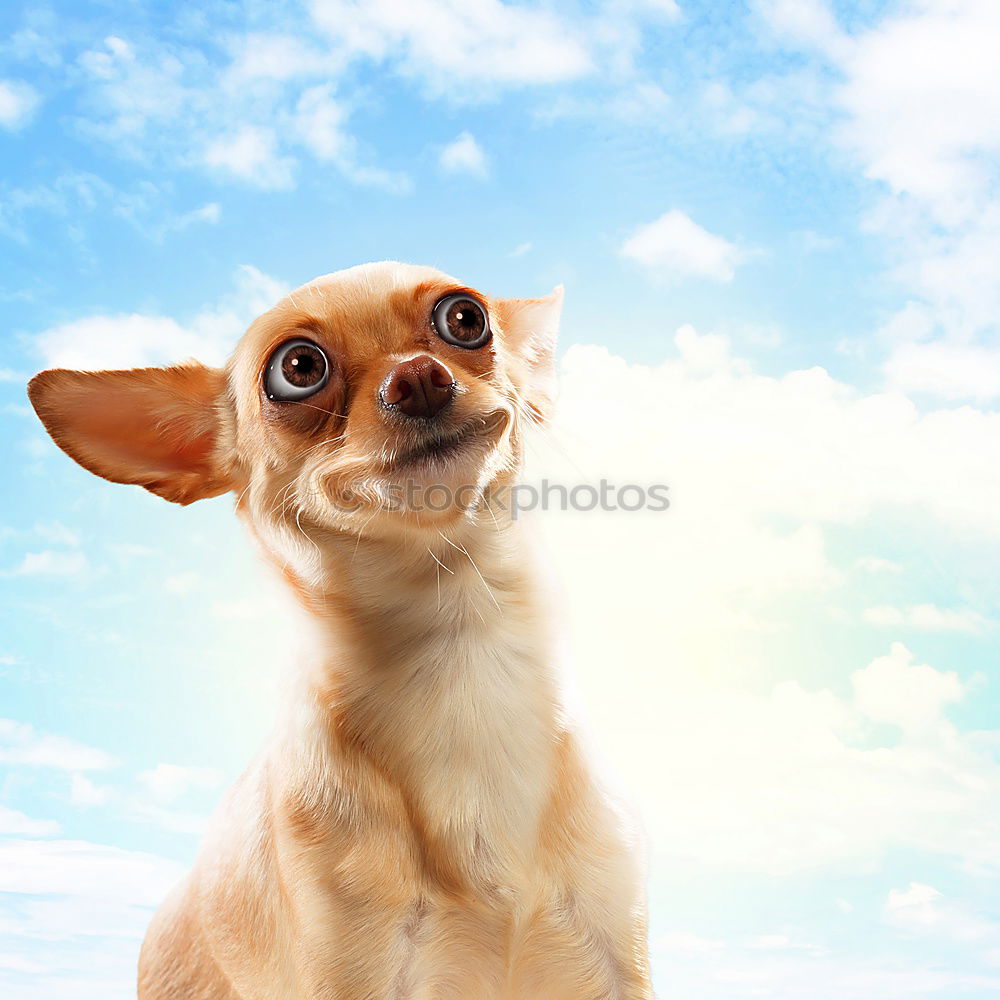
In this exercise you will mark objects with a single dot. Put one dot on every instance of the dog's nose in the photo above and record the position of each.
(420, 387)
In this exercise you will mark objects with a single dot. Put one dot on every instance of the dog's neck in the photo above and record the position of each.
(435, 663)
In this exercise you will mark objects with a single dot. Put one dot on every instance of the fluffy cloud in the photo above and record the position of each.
(927, 133)
(251, 153)
(674, 246)
(951, 371)
(49, 563)
(910, 695)
(17, 104)
(72, 914)
(273, 95)
(927, 617)
(85, 793)
(84, 888)
(737, 765)
(464, 156)
(131, 341)
(14, 823)
(22, 745)
(244, 117)
(918, 106)
(809, 23)
(253, 106)
(169, 782)
(460, 48)
(791, 780)
(924, 911)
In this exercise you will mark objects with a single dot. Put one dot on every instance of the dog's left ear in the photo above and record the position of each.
(158, 428)
(531, 328)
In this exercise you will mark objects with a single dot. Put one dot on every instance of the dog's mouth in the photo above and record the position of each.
(442, 446)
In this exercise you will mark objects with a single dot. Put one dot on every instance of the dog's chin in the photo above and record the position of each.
(446, 475)
(442, 453)
(446, 472)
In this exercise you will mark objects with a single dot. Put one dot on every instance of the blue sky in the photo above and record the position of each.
(777, 223)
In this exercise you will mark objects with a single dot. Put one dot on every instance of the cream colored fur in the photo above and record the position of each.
(424, 825)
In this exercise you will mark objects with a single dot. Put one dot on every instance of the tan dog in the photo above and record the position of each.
(423, 826)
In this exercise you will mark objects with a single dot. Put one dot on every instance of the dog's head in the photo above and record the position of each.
(383, 398)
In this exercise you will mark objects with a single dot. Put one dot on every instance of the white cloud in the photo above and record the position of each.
(786, 782)
(674, 246)
(163, 789)
(84, 792)
(169, 782)
(243, 118)
(99, 341)
(249, 110)
(807, 23)
(688, 941)
(926, 617)
(876, 564)
(252, 155)
(120, 886)
(210, 212)
(896, 690)
(924, 102)
(57, 533)
(18, 101)
(72, 916)
(951, 371)
(320, 120)
(182, 583)
(14, 823)
(737, 765)
(83, 196)
(49, 563)
(918, 110)
(277, 56)
(131, 341)
(706, 423)
(16, 963)
(917, 899)
(924, 911)
(463, 48)
(464, 156)
(22, 744)
(782, 942)
(521, 249)
(133, 92)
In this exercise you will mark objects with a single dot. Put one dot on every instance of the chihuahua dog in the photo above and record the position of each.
(424, 825)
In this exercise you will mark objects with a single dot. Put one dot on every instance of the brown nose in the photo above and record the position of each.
(420, 387)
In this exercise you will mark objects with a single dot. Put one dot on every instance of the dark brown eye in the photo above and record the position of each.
(461, 321)
(295, 370)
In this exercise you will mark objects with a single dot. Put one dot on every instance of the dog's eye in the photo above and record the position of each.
(295, 370)
(461, 321)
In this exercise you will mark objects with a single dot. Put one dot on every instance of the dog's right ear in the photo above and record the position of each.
(159, 428)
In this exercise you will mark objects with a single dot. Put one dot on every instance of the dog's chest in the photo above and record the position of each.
(461, 730)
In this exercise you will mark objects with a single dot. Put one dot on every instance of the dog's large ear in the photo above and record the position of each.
(155, 427)
(531, 328)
